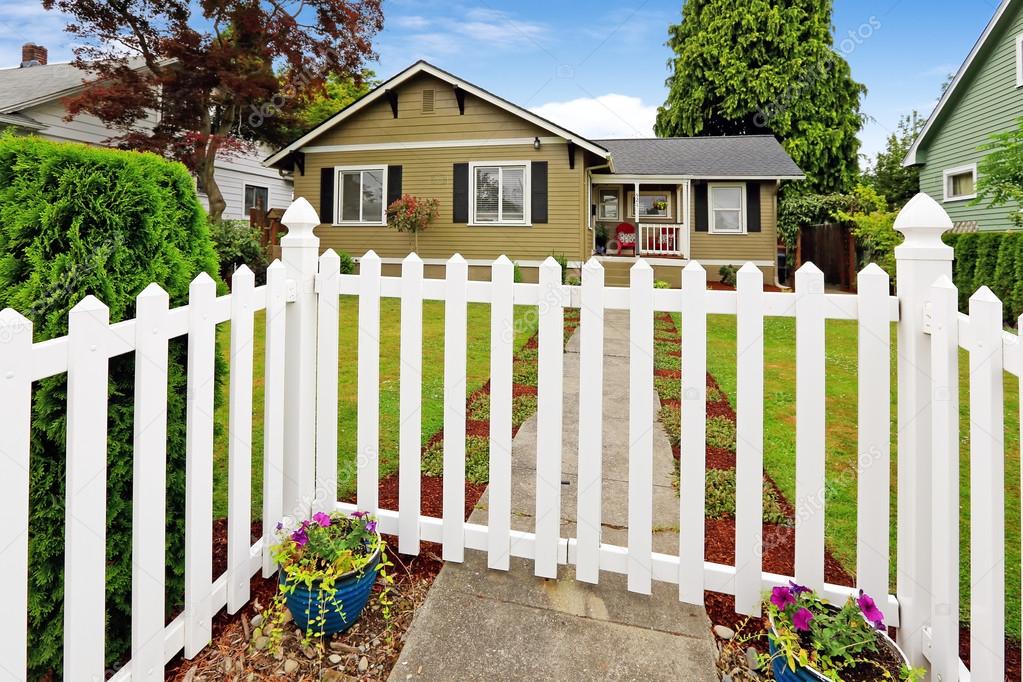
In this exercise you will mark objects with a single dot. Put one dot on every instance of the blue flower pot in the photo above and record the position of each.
(341, 607)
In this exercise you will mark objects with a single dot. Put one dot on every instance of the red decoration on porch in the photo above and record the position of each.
(625, 238)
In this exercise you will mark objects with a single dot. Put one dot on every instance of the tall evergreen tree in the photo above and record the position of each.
(745, 67)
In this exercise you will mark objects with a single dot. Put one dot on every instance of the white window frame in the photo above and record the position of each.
(527, 218)
(600, 204)
(958, 170)
(712, 212)
(338, 171)
(1019, 61)
(245, 187)
(630, 204)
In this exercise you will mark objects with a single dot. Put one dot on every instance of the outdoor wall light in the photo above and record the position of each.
(536, 143)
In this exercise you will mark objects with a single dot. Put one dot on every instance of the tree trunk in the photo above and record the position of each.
(214, 196)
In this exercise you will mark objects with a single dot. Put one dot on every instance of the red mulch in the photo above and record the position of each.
(522, 389)
(718, 286)
(670, 373)
(720, 458)
(477, 428)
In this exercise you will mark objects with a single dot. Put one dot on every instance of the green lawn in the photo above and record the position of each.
(841, 383)
(477, 373)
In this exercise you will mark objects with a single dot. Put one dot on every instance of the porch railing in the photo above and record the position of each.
(662, 240)
(300, 456)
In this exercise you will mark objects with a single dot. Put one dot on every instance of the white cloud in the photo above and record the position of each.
(410, 22)
(606, 116)
(29, 22)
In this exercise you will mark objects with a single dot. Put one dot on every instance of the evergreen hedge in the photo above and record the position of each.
(76, 220)
(991, 259)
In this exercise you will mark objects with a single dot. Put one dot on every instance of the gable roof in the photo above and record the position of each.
(423, 67)
(732, 156)
(25, 87)
(989, 30)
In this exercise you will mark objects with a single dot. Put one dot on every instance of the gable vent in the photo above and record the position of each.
(428, 101)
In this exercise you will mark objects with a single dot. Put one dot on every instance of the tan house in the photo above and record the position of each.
(510, 182)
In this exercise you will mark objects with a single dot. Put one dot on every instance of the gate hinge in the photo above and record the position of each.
(928, 319)
(291, 291)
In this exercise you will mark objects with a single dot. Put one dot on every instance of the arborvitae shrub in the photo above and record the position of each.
(991, 259)
(76, 220)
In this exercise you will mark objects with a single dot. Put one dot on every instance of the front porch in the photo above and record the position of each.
(640, 216)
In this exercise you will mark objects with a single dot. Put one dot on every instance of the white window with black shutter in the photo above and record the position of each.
(359, 194)
(499, 193)
(727, 207)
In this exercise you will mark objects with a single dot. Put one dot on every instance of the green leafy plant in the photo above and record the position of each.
(721, 433)
(720, 498)
(572, 280)
(808, 632)
(237, 243)
(661, 284)
(873, 227)
(477, 459)
(668, 388)
(412, 215)
(563, 262)
(317, 553)
(671, 419)
(727, 274)
(1000, 172)
(523, 407)
(524, 370)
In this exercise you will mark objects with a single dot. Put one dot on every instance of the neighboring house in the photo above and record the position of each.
(985, 97)
(510, 182)
(32, 101)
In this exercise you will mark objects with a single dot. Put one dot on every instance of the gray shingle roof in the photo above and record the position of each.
(20, 86)
(739, 156)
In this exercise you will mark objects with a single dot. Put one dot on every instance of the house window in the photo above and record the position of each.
(607, 204)
(499, 193)
(360, 195)
(652, 204)
(727, 212)
(256, 197)
(961, 183)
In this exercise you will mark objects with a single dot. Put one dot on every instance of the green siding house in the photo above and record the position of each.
(985, 97)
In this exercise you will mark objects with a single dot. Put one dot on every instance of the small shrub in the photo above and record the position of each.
(477, 459)
(573, 281)
(661, 284)
(668, 388)
(671, 361)
(237, 243)
(517, 273)
(721, 433)
(727, 273)
(523, 407)
(714, 395)
(563, 262)
(347, 263)
(524, 371)
(479, 408)
(412, 215)
(720, 498)
(671, 419)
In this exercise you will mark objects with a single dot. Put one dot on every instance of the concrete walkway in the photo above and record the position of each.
(480, 624)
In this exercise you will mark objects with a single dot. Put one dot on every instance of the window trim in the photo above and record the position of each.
(712, 212)
(1019, 61)
(618, 195)
(947, 175)
(630, 204)
(338, 196)
(245, 187)
(527, 174)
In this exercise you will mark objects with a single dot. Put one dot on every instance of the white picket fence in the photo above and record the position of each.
(300, 457)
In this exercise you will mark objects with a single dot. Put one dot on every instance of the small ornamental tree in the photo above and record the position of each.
(1000, 173)
(412, 215)
(77, 220)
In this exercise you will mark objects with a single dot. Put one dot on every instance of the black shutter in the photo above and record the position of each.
(393, 184)
(460, 212)
(753, 207)
(700, 197)
(327, 195)
(538, 190)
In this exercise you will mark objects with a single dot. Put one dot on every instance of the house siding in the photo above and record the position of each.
(987, 102)
(428, 173)
(736, 249)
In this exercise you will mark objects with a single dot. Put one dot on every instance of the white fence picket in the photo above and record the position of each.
(202, 329)
(15, 430)
(502, 339)
(591, 403)
(987, 474)
(273, 409)
(368, 436)
(641, 419)
(328, 301)
(410, 383)
(810, 426)
(149, 485)
(692, 467)
(944, 654)
(550, 382)
(455, 330)
(874, 431)
(239, 444)
(85, 558)
(749, 440)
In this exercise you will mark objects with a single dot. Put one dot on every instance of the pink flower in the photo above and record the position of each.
(870, 611)
(801, 619)
(322, 519)
(299, 537)
(782, 597)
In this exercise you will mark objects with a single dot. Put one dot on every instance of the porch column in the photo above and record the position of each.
(635, 214)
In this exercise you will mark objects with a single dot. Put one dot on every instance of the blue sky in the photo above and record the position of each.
(598, 67)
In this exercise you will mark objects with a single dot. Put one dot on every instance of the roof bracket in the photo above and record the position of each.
(571, 154)
(299, 160)
(392, 97)
(460, 96)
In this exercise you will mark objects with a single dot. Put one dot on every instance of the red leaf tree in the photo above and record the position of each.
(197, 81)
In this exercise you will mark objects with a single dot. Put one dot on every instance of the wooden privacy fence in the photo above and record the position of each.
(300, 457)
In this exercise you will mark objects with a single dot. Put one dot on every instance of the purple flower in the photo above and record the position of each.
(798, 589)
(280, 525)
(322, 519)
(371, 527)
(870, 611)
(359, 514)
(801, 619)
(299, 537)
(782, 597)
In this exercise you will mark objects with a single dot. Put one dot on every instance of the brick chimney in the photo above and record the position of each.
(33, 55)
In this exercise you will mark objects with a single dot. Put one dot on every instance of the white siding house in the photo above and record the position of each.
(31, 101)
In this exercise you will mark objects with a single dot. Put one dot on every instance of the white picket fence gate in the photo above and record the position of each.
(300, 457)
